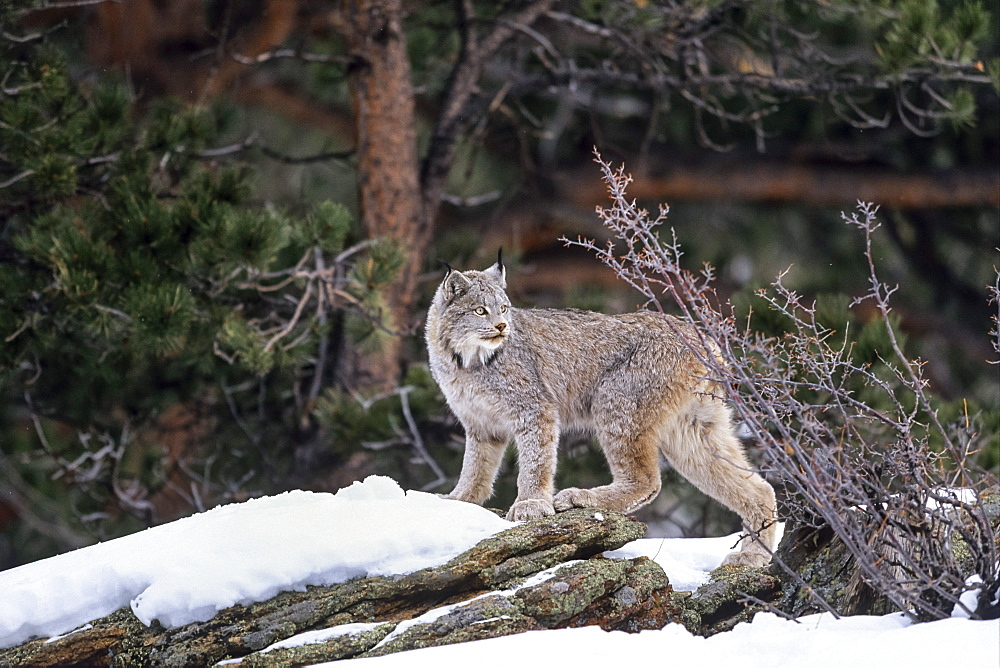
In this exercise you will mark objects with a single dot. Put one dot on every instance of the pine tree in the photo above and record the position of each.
(145, 294)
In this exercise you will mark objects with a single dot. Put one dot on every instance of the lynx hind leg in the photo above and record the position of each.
(703, 448)
(635, 470)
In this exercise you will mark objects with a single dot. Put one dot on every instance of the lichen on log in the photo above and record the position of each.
(501, 561)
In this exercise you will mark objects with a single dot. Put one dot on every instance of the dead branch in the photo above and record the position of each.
(857, 447)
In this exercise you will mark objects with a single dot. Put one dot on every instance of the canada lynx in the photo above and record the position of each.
(527, 374)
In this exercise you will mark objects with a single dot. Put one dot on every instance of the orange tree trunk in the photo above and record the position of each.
(388, 166)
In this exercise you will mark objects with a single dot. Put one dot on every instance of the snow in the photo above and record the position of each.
(687, 561)
(817, 641)
(187, 570)
(967, 601)
(322, 635)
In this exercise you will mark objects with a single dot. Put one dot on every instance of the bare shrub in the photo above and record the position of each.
(857, 445)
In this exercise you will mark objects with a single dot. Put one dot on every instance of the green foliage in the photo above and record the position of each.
(138, 281)
(963, 108)
(163, 317)
(378, 421)
(243, 345)
(370, 277)
(917, 31)
(383, 262)
(971, 23)
(326, 227)
(993, 69)
(140, 272)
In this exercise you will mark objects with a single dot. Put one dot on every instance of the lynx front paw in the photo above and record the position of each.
(530, 509)
(753, 559)
(476, 497)
(573, 497)
(452, 497)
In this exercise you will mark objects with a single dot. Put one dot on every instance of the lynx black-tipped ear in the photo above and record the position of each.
(497, 271)
(448, 267)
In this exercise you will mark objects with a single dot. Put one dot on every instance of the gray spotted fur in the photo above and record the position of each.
(528, 374)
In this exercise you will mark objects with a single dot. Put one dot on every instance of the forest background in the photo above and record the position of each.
(220, 220)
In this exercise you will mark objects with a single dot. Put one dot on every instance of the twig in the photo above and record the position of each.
(324, 338)
(113, 311)
(303, 300)
(14, 179)
(418, 442)
(288, 53)
(68, 4)
(18, 331)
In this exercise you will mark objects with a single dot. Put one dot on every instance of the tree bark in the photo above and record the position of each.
(615, 594)
(400, 196)
(385, 134)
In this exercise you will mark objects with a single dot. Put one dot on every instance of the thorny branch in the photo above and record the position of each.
(994, 291)
(857, 446)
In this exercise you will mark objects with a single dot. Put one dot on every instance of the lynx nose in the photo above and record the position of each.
(501, 326)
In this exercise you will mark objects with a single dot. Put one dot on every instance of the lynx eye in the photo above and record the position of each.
(503, 309)
(480, 311)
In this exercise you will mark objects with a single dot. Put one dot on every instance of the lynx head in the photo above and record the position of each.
(472, 311)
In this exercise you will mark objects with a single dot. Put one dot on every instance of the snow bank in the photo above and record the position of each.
(188, 570)
(817, 641)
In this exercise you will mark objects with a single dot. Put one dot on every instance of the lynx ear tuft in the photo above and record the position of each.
(498, 272)
(455, 283)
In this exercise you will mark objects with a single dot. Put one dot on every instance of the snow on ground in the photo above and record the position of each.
(190, 569)
(187, 570)
(817, 641)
